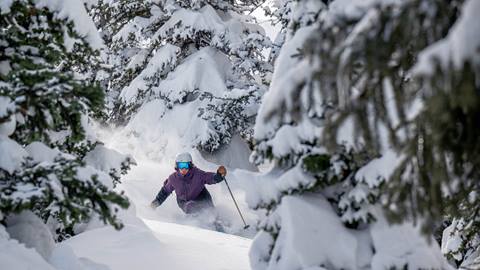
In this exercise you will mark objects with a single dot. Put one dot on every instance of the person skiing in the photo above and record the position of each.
(189, 182)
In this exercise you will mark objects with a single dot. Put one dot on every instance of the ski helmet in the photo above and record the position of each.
(183, 157)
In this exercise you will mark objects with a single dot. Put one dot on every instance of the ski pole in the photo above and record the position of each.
(231, 194)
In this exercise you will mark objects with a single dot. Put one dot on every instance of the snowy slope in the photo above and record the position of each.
(155, 162)
(166, 238)
(162, 245)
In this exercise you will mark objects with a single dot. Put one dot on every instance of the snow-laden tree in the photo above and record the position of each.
(421, 102)
(359, 136)
(448, 139)
(126, 27)
(51, 163)
(203, 57)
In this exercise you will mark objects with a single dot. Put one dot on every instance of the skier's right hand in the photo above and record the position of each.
(154, 204)
(222, 171)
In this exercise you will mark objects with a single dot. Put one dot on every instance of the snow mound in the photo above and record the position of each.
(303, 240)
(30, 230)
(168, 245)
(399, 245)
(14, 255)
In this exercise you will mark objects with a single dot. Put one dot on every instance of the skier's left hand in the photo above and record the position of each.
(154, 204)
(222, 171)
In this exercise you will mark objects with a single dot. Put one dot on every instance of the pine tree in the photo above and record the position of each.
(46, 50)
(424, 110)
(126, 27)
(449, 136)
(204, 55)
(344, 124)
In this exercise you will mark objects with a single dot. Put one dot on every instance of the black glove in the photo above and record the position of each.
(218, 178)
(154, 204)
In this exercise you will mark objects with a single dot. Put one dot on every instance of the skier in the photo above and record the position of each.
(189, 182)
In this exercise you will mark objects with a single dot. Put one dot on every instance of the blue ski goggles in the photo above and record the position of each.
(183, 165)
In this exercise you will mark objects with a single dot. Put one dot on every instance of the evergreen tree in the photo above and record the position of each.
(126, 27)
(204, 55)
(352, 121)
(422, 109)
(46, 103)
(449, 137)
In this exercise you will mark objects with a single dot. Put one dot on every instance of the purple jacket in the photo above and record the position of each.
(187, 187)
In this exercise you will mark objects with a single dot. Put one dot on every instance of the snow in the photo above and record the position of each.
(5, 6)
(105, 159)
(460, 46)
(346, 133)
(379, 168)
(144, 181)
(291, 139)
(164, 58)
(473, 261)
(325, 241)
(152, 240)
(390, 102)
(154, 152)
(302, 240)
(266, 22)
(262, 243)
(451, 241)
(7, 128)
(88, 128)
(12, 154)
(5, 67)
(187, 22)
(205, 71)
(286, 58)
(290, 71)
(226, 28)
(354, 10)
(7, 107)
(30, 230)
(350, 9)
(148, 133)
(398, 245)
(311, 235)
(39, 152)
(14, 255)
(64, 258)
(74, 10)
(131, 27)
(160, 244)
(228, 155)
(86, 173)
(269, 186)
(58, 136)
